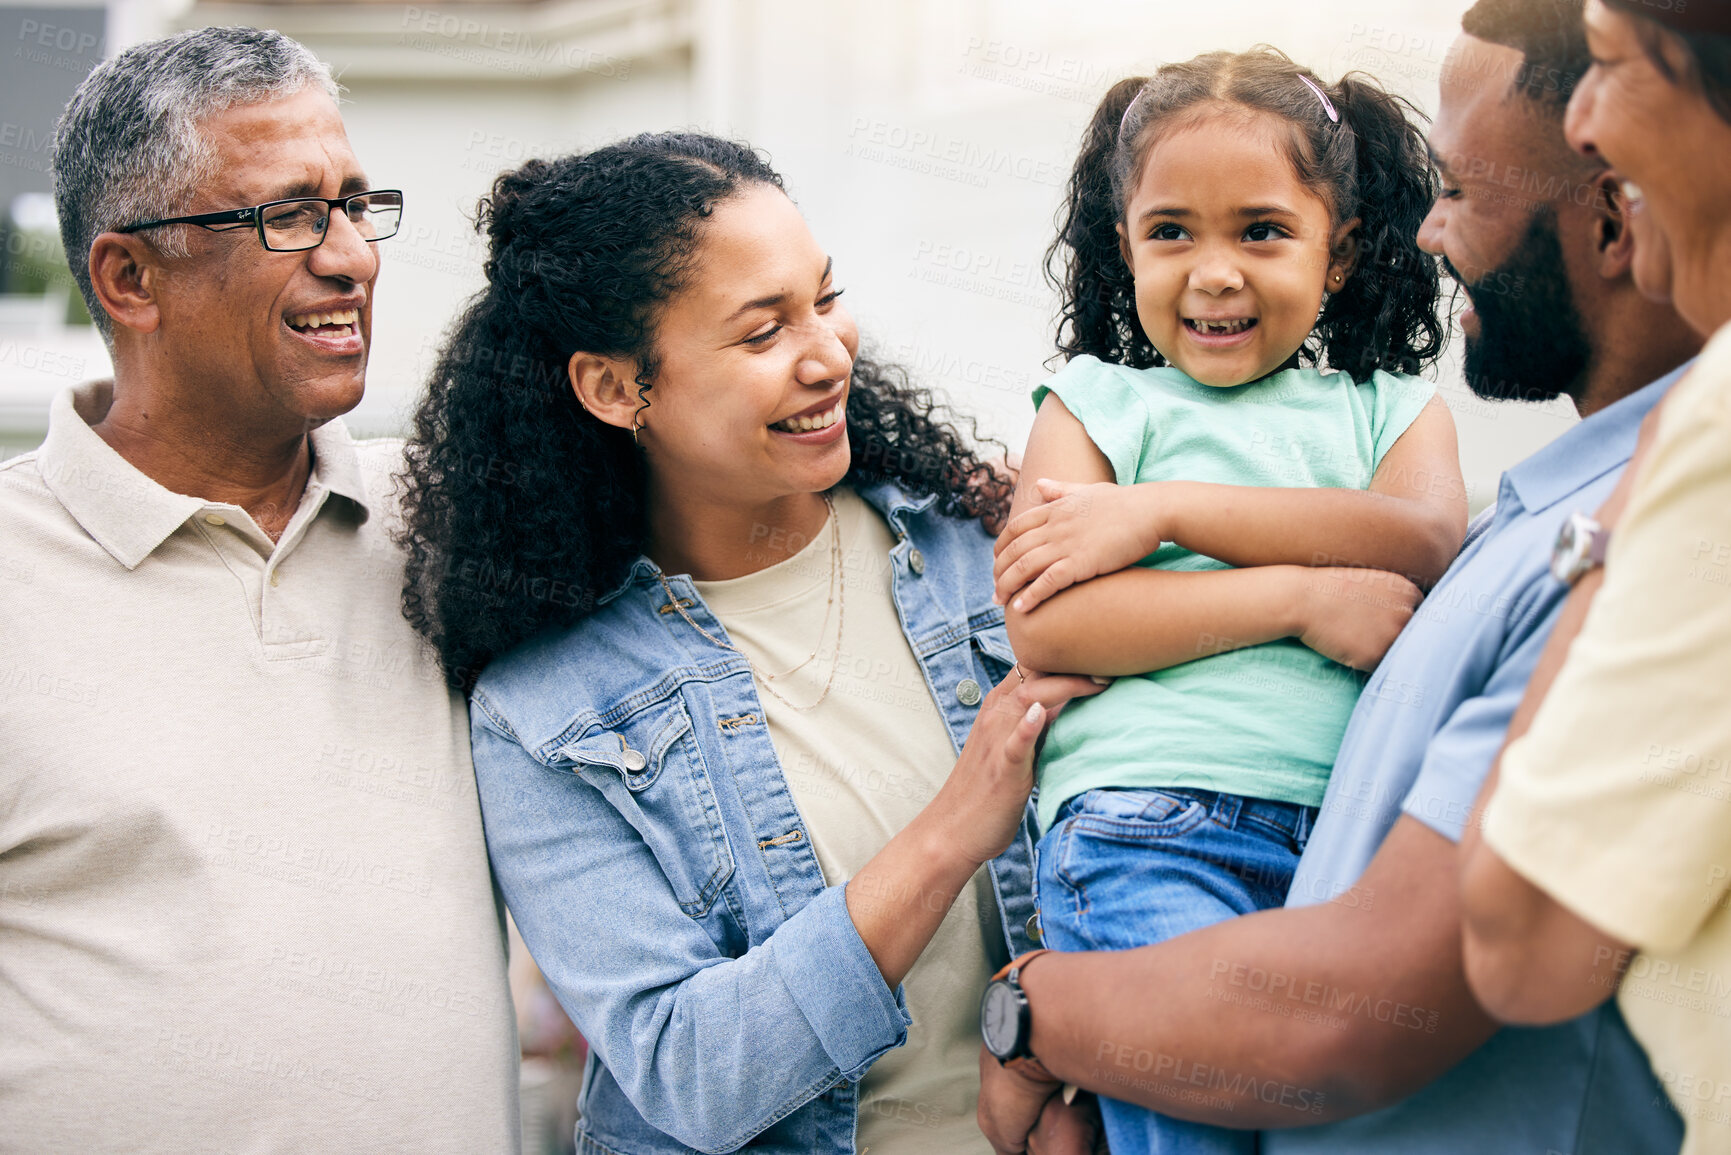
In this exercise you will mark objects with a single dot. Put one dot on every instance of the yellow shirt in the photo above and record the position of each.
(860, 765)
(1618, 802)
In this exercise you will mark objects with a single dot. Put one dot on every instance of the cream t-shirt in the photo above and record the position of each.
(1618, 801)
(861, 765)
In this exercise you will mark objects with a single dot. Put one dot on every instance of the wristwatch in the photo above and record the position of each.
(1005, 1022)
(1580, 548)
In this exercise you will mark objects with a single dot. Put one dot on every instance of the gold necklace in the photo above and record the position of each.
(837, 586)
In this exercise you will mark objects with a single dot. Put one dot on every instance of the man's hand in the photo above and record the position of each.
(1076, 533)
(1013, 1101)
(1071, 1128)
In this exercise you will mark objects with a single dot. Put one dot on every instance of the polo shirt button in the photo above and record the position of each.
(214, 519)
(1034, 928)
(273, 577)
(968, 692)
(917, 562)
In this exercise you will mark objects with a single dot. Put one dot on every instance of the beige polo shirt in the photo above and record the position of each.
(244, 897)
(1618, 801)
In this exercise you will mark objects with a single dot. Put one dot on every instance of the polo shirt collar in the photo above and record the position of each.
(127, 512)
(336, 466)
(1586, 452)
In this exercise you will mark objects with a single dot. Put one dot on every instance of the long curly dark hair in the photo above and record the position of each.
(520, 509)
(1372, 164)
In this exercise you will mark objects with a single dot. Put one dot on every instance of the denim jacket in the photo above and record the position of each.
(645, 838)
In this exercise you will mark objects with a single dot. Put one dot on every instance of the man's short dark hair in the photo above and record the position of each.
(1549, 35)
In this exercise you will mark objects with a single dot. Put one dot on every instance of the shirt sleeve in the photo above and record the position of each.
(1618, 801)
(1103, 398)
(1396, 402)
(710, 1049)
(1460, 756)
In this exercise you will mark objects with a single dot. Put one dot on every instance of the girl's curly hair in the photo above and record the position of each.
(1372, 164)
(520, 509)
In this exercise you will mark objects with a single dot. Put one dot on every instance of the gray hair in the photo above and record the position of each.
(128, 147)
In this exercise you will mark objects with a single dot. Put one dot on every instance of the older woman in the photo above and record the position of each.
(726, 589)
(1604, 865)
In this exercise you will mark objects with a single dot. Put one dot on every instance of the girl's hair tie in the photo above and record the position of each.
(1327, 104)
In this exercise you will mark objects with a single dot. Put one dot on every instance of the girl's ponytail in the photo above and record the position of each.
(1384, 317)
(1085, 262)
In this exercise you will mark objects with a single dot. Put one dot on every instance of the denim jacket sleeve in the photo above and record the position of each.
(710, 1049)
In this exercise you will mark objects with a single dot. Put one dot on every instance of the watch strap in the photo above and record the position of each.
(1021, 1057)
(1016, 964)
(1598, 544)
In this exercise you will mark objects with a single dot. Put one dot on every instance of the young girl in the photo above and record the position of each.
(1234, 530)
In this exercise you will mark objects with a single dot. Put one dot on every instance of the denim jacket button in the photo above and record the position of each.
(1034, 934)
(917, 563)
(968, 692)
(634, 760)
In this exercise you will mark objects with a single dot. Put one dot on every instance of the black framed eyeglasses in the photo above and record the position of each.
(298, 224)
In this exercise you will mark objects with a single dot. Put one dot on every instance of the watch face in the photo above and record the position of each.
(1570, 554)
(999, 1018)
(1566, 553)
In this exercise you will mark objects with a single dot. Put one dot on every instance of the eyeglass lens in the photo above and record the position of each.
(294, 225)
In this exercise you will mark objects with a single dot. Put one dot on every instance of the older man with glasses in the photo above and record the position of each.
(244, 898)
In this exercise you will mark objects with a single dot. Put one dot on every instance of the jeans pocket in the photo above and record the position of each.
(1110, 831)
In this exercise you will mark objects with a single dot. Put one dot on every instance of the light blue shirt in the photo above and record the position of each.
(1421, 741)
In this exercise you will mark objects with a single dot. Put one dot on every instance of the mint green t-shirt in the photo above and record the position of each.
(1265, 721)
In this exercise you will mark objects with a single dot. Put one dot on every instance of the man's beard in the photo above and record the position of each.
(1531, 345)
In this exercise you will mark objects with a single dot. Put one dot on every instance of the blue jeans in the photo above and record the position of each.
(1129, 868)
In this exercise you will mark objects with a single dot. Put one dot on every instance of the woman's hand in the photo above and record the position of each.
(1353, 615)
(898, 899)
(981, 805)
(1076, 533)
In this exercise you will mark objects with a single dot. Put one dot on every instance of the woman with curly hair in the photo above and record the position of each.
(721, 593)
